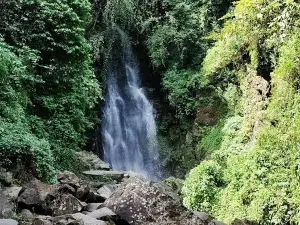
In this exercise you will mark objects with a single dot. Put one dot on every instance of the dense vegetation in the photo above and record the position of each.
(228, 110)
(48, 88)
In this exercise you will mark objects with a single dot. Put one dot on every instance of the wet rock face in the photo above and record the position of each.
(140, 203)
(207, 116)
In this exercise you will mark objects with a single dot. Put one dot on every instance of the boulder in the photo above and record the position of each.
(90, 161)
(92, 207)
(205, 217)
(68, 178)
(42, 220)
(100, 165)
(12, 192)
(106, 191)
(67, 189)
(82, 192)
(106, 214)
(216, 222)
(6, 206)
(66, 204)
(69, 219)
(85, 219)
(36, 196)
(103, 213)
(8, 222)
(138, 202)
(27, 215)
(6, 178)
(100, 174)
(94, 197)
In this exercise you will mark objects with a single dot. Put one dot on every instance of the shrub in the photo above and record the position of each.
(202, 186)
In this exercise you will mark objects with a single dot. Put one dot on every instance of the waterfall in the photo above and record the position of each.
(128, 126)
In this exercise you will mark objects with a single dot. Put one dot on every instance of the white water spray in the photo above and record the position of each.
(128, 127)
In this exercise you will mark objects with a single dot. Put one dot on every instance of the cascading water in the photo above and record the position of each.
(128, 127)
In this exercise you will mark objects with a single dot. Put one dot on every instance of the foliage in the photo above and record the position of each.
(60, 92)
(258, 153)
(201, 187)
(177, 37)
(179, 84)
(17, 143)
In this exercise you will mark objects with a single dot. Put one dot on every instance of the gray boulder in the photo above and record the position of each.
(6, 178)
(102, 213)
(68, 178)
(100, 165)
(90, 161)
(92, 207)
(69, 219)
(138, 202)
(12, 192)
(67, 189)
(94, 197)
(101, 174)
(216, 222)
(42, 220)
(6, 206)
(8, 222)
(87, 220)
(205, 217)
(106, 191)
(27, 215)
(77, 218)
(82, 192)
(66, 204)
(36, 196)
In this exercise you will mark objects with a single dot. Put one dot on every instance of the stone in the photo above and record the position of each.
(205, 217)
(8, 222)
(12, 192)
(82, 192)
(92, 207)
(68, 178)
(67, 189)
(94, 197)
(90, 161)
(103, 214)
(36, 196)
(215, 222)
(106, 191)
(6, 178)
(42, 220)
(87, 220)
(102, 166)
(6, 206)
(139, 202)
(7, 212)
(68, 219)
(114, 175)
(66, 204)
(27, 215)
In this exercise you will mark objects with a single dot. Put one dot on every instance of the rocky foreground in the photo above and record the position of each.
(99, 197)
